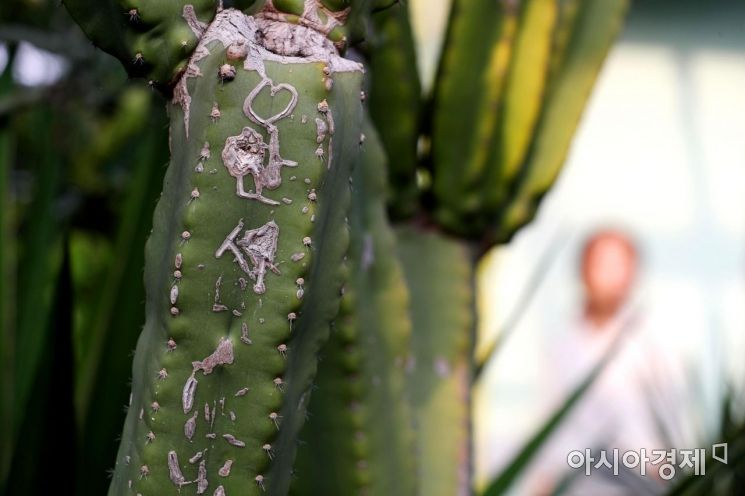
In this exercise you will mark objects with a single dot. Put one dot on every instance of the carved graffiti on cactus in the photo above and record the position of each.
(259, 245)
(244, 154)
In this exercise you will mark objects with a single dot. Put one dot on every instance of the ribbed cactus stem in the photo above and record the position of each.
(440, 273)
(359, 420)
(244, 266)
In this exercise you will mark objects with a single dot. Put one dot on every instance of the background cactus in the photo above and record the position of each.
(539, 63)
(440, 378)
(358, 422)
(496, 143)
(247, 258)
(151, 39)
(395, 103)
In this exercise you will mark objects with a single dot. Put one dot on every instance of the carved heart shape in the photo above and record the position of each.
(273, 90)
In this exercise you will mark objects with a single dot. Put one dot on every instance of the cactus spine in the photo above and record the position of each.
(243, 268)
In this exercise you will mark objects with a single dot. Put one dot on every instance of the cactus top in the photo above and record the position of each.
(276, 41)
(325, 16)
(155, 39)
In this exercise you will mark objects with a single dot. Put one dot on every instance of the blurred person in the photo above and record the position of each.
(614, 412)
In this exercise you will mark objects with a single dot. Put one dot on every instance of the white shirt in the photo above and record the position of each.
(614, 412)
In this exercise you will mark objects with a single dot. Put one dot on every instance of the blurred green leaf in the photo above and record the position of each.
(111, 308)
(33, 274)
(7, 306)
(721, 479)
(39, 261)
(45, 429)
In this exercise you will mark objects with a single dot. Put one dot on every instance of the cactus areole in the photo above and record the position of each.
(244, 267)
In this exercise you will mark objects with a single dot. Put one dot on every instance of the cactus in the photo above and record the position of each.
(539, 60)
(152, 39)
(582, 40)
(243, 268)
(358, 423)
(248, 256)
(442, 306)
(460, 100)
(395, 103)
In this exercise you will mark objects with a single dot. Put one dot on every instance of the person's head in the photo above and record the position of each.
(609, 267)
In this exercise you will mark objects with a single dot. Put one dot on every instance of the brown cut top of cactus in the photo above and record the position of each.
(312, 15)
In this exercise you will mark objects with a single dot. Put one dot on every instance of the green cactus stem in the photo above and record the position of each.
(153, 39)
(525, 85)
(244, 265)
(468, 95)
(396, 102)
(439, 272)
(499, 140)
(585, 34)
(359, 422)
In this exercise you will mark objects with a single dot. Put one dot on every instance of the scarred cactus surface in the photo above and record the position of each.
(244, 265)
(359, 418)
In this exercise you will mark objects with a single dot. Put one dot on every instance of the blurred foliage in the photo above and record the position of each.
(721, 479)
(709, 425)
(81, 166)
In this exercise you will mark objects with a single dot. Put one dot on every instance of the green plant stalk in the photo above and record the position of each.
(566, 16)
(396, 102)
(8, 257)
(32, 256)
(241, 282)
(501, 134)
(440, 276)
(467, 103)
(480, 141)
(594, 27)
(152, 39)
(51, 392)
(359, 423)
(719, 478)
(39, 264)
(7, 307)
(523, 94)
